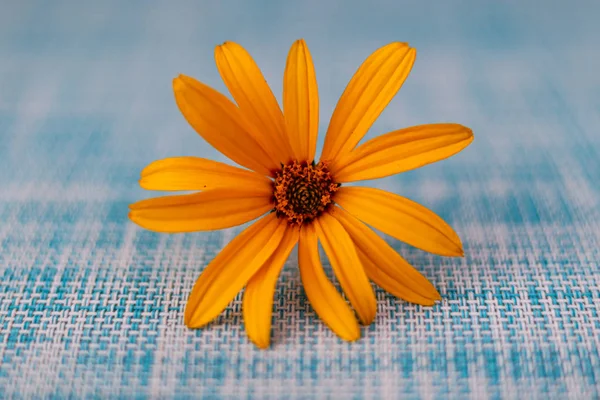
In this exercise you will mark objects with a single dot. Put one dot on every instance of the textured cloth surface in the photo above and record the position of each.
(91, 306)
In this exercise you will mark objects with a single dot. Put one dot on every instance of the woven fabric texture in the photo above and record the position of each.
(91, 306)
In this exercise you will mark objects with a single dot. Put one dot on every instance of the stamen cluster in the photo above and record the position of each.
(302, 191)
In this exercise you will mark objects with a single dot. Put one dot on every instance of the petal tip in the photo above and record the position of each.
(188, 313)
(138, 205)
(367, 317)
(192, 320)
(398, 45)
(468, 133)
(193, 325)
(178, 83)
(458, 251)
(181, 80)
(228, 45)
(262, 344)
(353, 337)
(367, 321)
(187, 318)
(143, 181)
(351, 333)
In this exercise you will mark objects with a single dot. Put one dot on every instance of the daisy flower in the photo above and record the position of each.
(299, 200)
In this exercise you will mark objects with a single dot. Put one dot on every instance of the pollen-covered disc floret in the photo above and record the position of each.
(303, 191)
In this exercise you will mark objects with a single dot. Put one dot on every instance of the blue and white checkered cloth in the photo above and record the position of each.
(91, 306)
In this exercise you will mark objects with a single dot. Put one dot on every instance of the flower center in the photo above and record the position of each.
(303, 191)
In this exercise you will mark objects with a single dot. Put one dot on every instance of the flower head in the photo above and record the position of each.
(300, 200)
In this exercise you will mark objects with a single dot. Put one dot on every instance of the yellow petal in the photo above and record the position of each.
(221, 124)
(255, 99)
(347, 267)
(401, 218)
(257, 304)
(301, 102)
(205, 211)
(370, 90)
(402, 150)
(393, 283)
(384, 265)
(326, 301)
(193, 173)
(231, 269)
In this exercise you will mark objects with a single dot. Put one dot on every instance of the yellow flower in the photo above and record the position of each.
(304, 201)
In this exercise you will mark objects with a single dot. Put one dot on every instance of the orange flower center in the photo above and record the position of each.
(302, 191)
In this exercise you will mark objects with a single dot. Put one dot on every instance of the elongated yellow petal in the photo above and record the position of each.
(301, 102)
(402, 150)
(255, 99)
(325, 300)
(401, 218)
(221, 124)
(257, 304)
(231, 269)
(391, 283)
(205, 211)
(193, 173)
(347, 267)
(370, 90)
(384, 265)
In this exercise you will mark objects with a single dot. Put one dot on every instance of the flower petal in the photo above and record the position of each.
(390, 280)
(323, 296)
(255, 99)
(402, 150)
(205, 211)
(257, 304)
(193, 173)
(401, 218)
(370, 90)
(301, 102)
(221, 124)
(384, 265)
(347, 267)
(231, 269)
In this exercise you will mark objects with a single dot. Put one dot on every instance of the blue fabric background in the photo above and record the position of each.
(91, 306)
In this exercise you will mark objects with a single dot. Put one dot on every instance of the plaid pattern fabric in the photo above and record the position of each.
(91, 306)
